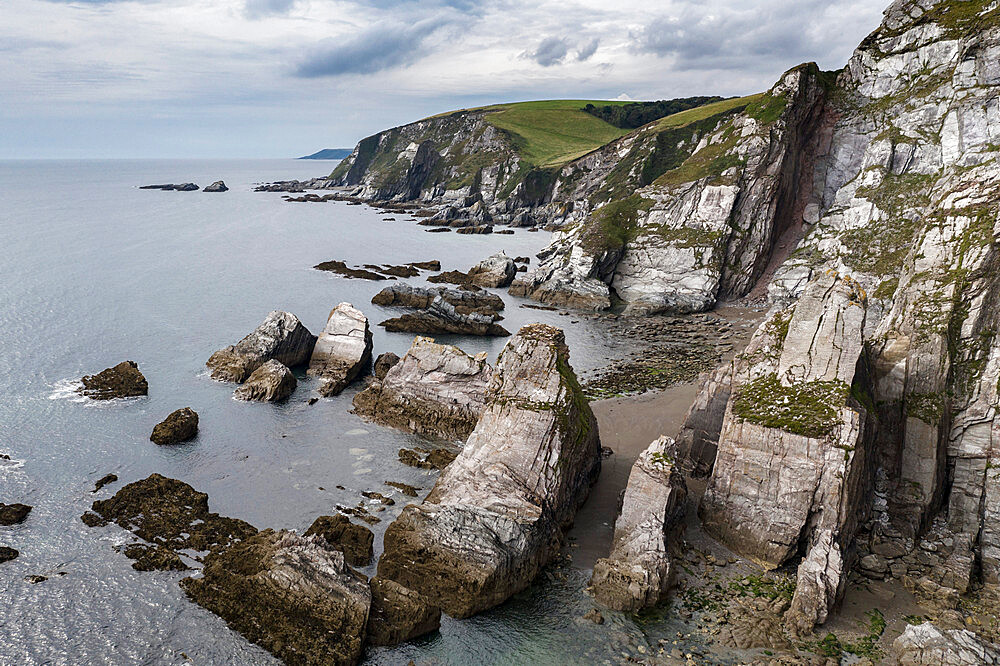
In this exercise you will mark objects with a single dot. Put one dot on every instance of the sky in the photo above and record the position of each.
(281, 78)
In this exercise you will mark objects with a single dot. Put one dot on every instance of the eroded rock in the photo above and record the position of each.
(355, 541)
(179, 426)
(384, 363)
(7, 554)
(121, 381)
(271, 382)
(495, 515)
(280, 337)
(927, 645)
(398, 614)
(494, 271)
(343, 350)
(13, 514)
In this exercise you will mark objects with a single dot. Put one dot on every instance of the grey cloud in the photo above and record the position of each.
(588, 50)
(380, 47)
(261, 8)
(551, 51)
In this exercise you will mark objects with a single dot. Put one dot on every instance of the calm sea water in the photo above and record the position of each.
(95, 271)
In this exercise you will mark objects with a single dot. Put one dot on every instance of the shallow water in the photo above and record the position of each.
(95, 271)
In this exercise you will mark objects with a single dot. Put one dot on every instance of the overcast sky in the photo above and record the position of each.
(277, 78)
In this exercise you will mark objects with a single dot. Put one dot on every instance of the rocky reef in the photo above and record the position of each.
(343, 350)
(280, 337)
(495, 515)
(436, 390)
(121, 381)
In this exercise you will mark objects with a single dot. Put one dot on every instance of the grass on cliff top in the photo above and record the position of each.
(707, 111)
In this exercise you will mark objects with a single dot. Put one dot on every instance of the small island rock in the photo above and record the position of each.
(495, 271)
(281, 336)
(13, 514)
(7, 554)
(180, 426)
(217, 186)
(343, 350)
(121, 381)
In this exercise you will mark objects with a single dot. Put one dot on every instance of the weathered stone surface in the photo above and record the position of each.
(398, 614)
(384, 363)
(217, 186)
(154, 558)
(343, 350)
(171, 513)
(698, 440)
(441, 317)
(438, 458)
(495, 515)
(421, 298)
(794, 466)
(271, 382)
(434, 390)
(180, 426)
(639, 572)
(355, 541)
(497, 270)
(927, 645)
(122, 381)
(292, 595)
(281, 337)
(13, 514)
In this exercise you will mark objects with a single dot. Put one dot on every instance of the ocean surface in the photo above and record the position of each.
(95, 271)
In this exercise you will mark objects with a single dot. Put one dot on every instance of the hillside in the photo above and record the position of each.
(328, 154)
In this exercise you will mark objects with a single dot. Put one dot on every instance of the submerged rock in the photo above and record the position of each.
(154, 558)
(292, 595)
(179, 426)
(438, 458)
(639, 572)
(172, 514)
(181, 187)
(7, 554)
(340, 268)
(13, 514)
(495, 515)
(495, 271)
(343, 350)
(927, 645)
(281, 337)
(104, 480)
(398, 614)
(217, 186)
(271, 382)
(384, 363)
(122, 381)
(436, 390)
(355, 541)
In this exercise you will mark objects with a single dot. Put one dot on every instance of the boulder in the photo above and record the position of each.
(281, 337)
(292, 595)
(355, 541)
(466, 301)
(398, 614)
(496, 515)
(441, 317)
(639, 572)
(217, 186)
(122, 381)
(435, 390)
(271, 382)
(495, 271)
(384, 363)
(7, 554)
(13, 514)
(343, 350)
(180, 426)
(927, 645)
(172, 514)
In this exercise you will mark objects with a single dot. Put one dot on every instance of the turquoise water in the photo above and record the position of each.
(95, 271)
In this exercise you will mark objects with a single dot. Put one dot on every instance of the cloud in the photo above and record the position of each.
(383, 46)
(552, 51)
(262, 8)
(585, 52)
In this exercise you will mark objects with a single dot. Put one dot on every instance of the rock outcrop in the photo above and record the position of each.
(179, 426)
(13, 514)
(495, 515)
(384, 363)
(292, 595)
(794, 462)
(435, 390)
(927, 645)
(271, 382)
(495, 271)
(398, 614)
(217, 186)
(639, 572)
(355, 541)
(178, 187)
(440, 316)
(466, 301)
(7, 554)
(121, 381)
(280, 337)
(343, 350)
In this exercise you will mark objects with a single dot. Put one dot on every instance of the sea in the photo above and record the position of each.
(94, 271)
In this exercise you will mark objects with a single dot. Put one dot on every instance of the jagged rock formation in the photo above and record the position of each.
(343, 350)
(495, 515)
(794, 462)
(639, 573)
(398, 614)
(466, 301)
(495, 271)
(355, 541)
(271, 382)
(121, 381)
(926, 645)
(290, 594)
(436, 390)
(465, 311)
(281, 337)
(180, 426)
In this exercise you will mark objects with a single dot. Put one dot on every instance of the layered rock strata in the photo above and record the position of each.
(343, 350)
(271, 382)
(280, 337)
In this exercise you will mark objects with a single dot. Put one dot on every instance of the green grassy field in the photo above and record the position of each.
(702, 112)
